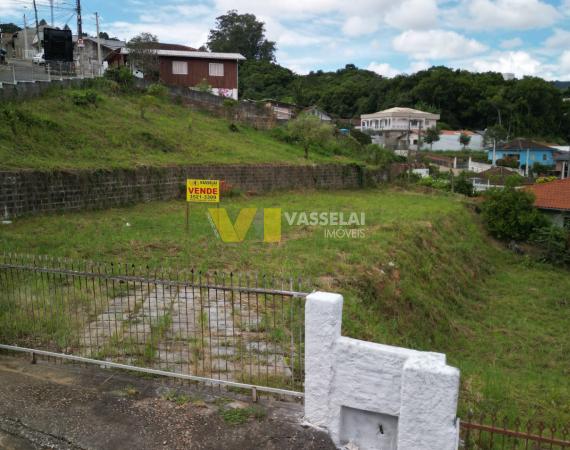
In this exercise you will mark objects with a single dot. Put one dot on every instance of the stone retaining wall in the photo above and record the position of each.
(34, 192)
(24, 90)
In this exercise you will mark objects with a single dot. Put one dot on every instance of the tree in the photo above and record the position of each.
(509, 214)
(143, 55)
(104, 35)
(9, 28)
(241, 33)
(308, 130)
(462, 185)
(464, 140)
(432, 135)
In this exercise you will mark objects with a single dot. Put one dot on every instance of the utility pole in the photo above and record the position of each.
(79, 21)
(25, 37)
(51, 12)
(79, 34)
(98, 43)
(37, 25)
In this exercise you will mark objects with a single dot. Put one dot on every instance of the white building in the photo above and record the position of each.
(396, 127)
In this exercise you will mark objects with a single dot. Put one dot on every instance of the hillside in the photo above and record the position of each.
(424, 276)
(54, 132)
(466, 100)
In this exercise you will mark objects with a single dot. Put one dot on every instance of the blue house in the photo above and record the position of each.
(523, 149)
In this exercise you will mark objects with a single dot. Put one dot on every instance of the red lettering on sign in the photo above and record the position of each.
(207, 191)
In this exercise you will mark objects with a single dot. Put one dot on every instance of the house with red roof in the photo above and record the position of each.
(554, 199)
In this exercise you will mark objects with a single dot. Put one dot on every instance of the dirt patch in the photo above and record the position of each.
(66, 406)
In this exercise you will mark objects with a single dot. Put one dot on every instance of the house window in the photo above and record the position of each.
(544, 157)
(179, 68)
(216, 70)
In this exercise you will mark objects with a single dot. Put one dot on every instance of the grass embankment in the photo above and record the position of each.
(52, 132)
(425, 276)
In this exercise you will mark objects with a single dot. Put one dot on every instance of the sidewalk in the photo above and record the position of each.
(68, 407)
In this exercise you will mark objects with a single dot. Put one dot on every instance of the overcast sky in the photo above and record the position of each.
(526, 37)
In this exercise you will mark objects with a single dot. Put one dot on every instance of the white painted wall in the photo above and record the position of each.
(451, 142)
(230, 93)
(424, 173)
(372, 395)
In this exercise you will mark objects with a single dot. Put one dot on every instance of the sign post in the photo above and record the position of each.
(201, 191)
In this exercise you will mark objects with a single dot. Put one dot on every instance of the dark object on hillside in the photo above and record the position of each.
(361, 137)
(58, 45)
(516, 248)
(233, 128)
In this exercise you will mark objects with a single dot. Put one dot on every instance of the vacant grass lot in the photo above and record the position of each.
(424, 275)
(52, 132)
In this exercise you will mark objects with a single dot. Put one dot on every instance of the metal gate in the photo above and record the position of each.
(228, 329)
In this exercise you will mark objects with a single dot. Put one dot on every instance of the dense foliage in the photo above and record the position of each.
(554, 243)
(509, 214)
(320, 137)
(527, 107)
(9, 28)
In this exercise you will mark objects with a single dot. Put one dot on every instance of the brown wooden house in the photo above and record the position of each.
(185, 66)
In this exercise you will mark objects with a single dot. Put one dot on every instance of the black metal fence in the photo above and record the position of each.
(491, 432)
(223, 327)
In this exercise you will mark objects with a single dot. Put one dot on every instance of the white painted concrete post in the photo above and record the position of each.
(323, 319)
(428, 405)
(371, 395)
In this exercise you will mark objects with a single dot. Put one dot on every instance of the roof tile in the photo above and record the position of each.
(553, 195)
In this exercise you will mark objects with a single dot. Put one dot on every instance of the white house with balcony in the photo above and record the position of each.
(400, 128)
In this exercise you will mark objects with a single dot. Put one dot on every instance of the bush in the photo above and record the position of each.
(509, 214)
(554, 243)
(435, 183)
(463, 186)
(121, 75)
(508, 162)
(85, 98)
(543, 180)
(157, 90)
(104, 85)
(344, 145)
(379, 156)
(282, 134)
(540, 169)
(204, 86)
(361, 137)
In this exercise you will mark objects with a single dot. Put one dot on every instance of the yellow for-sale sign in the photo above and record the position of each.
(203, 191)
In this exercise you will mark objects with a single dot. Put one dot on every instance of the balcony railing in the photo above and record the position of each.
(394, 127)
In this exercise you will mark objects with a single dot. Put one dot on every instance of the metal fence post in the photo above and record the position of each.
(14, 73)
